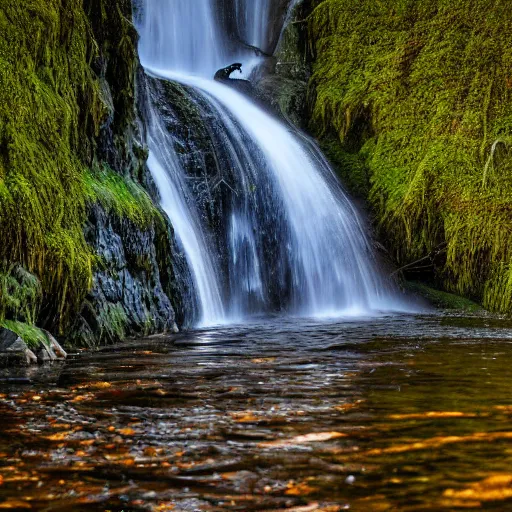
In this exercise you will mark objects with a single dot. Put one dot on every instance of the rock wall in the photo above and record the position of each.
(85, 252)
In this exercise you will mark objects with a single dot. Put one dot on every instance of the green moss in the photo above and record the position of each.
(425, 89)
(58, 59)
(350, 166)
(121, 196)
(112, 323)
(49, 110)
(31, 335)
(442, 299)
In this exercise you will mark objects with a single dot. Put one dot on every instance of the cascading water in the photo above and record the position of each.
(176, 202)
(291, 239)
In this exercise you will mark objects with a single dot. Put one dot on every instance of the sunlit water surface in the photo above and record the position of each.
(400, 413)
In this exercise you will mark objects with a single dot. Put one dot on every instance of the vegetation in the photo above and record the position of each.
(418, 96)
(441, 299)
(31, 335)
(45, 76)
(55, 101)
(120, 196)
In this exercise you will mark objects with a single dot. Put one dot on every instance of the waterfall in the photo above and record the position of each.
(291, 239)
(176, 202)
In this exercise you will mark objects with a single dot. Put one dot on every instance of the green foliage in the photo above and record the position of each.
(121, 196)
(31, 335)
(112, 323)
(421, 93)
(20, 294)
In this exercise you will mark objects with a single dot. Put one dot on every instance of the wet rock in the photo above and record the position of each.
(284, 81)
(225, 73)
(45, 355)
(56, 348)
(31, 357)
(10, 341)
(14, 351)
(128, 296)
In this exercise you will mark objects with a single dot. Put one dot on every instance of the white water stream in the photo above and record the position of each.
(324, 252)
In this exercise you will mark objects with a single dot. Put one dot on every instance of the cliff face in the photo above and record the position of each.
(84, 250)
(413, 100)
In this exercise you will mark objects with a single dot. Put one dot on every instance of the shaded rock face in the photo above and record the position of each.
(128, 296)
(233, 14)
(284, 82)
(134, 279)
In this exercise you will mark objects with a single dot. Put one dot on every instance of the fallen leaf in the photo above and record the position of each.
(263, 360)
(301, 489)
(126, 431)
(81, 398)
(100, 385)
(60, 436)
(164, 507)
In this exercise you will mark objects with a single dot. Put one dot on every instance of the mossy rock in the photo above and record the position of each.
(441, 299)
(418, 96)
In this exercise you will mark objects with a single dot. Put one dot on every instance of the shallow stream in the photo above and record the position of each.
(404, 413)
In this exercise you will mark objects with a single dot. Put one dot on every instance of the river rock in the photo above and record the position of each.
(14, 351)
(57, 349)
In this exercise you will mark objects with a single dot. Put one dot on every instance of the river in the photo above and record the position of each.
(406, 413)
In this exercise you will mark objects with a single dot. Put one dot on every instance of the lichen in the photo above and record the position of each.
(420, 94)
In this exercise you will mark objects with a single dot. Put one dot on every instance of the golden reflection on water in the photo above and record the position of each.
(385, 423)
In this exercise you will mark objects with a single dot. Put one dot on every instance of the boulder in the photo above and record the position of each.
(15, 352)
(55, 347)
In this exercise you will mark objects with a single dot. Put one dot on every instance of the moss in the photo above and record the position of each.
(441, 299)
(121, 196)
(112, 323)
(420, 94)
(350, 166)
(67, 69)
(31, 335)
(20, 293)
(49, 110)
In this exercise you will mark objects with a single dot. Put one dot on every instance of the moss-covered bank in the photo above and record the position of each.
(414, 99)
(69, 152)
